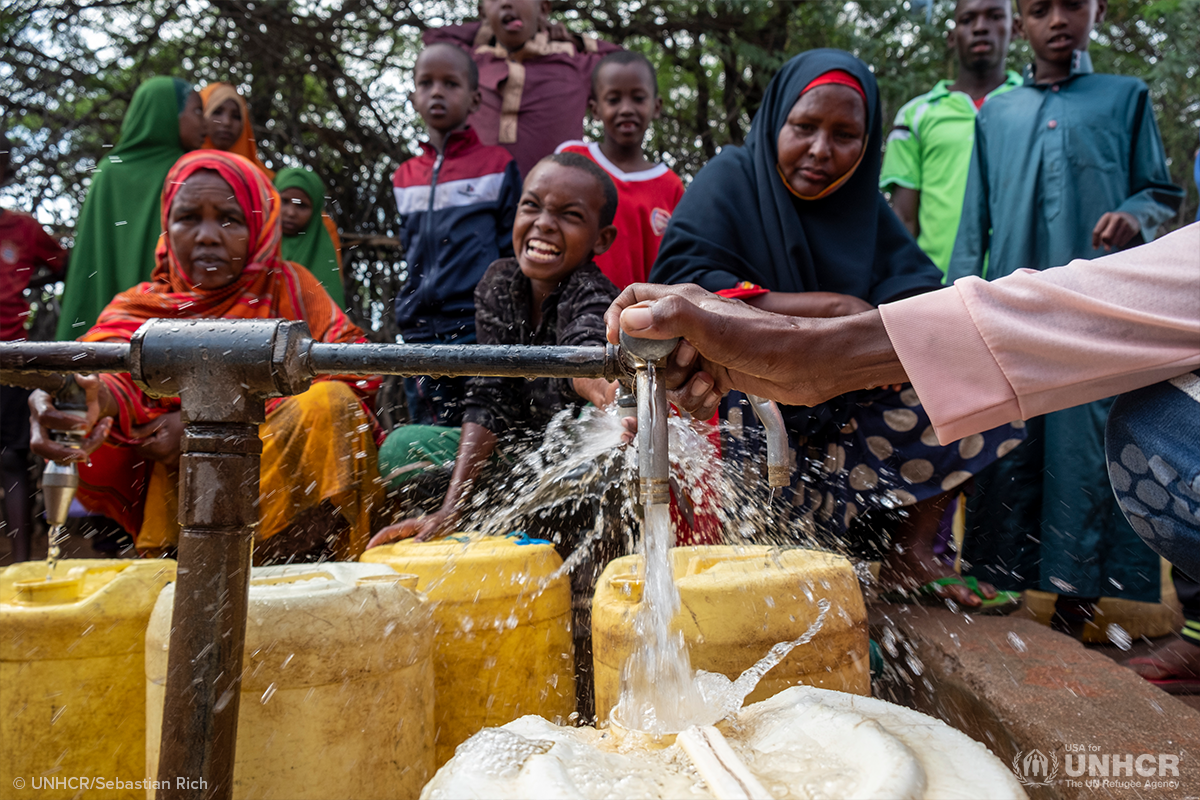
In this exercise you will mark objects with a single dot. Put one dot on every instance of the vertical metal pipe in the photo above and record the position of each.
(218, 509)
(654, 463)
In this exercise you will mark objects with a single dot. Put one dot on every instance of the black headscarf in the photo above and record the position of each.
(738, 221)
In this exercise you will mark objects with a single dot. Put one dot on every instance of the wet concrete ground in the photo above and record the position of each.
(1019, 687)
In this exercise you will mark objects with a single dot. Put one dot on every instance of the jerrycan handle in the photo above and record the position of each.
(276, 580)
(405, 580)
(82, 572)
(698, 565)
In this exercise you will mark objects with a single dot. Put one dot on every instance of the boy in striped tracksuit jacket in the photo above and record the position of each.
(456, 201)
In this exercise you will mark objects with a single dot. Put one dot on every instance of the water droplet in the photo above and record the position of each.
(1017, 642)
(1119, 636)
(223, 700)
(1062, 586)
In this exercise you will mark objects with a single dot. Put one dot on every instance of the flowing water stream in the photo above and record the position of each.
(57, 534)
(581, 469)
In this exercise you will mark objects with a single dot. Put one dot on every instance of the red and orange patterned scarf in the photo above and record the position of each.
(268, 288)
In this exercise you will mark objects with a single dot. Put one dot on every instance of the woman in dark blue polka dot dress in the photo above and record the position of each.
(793, 222)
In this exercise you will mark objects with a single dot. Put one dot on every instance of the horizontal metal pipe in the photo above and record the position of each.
(502, 361)
(64, 357)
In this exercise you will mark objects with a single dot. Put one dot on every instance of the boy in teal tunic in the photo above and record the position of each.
(1070, 165)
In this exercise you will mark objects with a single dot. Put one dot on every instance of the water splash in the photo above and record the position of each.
(725, 697)
(579, 469)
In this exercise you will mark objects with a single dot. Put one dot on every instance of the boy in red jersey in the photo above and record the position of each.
(626, 101)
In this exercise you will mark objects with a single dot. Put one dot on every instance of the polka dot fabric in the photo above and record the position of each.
(886, 456)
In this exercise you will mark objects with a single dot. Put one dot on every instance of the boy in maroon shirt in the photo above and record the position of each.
(535, 76)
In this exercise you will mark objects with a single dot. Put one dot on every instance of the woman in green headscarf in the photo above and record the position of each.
(120, 223)
(310, 237)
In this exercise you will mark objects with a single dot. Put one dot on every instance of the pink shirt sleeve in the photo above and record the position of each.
(981, 353)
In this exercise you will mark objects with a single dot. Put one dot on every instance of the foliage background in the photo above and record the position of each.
(326, 81)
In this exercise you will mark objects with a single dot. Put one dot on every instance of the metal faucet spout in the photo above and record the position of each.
(60, 481)
(779, 468)
(654, 465)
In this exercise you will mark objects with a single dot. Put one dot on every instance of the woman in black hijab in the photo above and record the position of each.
(794, 222)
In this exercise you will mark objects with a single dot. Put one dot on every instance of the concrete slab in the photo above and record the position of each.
(1019, 687)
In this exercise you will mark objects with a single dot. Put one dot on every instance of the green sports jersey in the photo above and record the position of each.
(929, 150)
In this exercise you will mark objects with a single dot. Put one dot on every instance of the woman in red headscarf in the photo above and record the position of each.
(220, 258)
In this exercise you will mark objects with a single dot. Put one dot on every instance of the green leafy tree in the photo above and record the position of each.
(326, 83)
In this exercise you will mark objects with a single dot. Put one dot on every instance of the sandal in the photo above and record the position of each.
(1002, 603)
(1170, 685)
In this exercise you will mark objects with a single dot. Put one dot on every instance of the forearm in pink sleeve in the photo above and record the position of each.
(961, 386)
(982, 353)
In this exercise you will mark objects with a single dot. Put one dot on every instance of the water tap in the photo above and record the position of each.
(779, 468)
(59, 481)
(644, 356)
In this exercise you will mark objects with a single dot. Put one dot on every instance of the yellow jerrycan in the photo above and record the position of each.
(736, 603)
(72, 687)
(503, 647)
(337, 685)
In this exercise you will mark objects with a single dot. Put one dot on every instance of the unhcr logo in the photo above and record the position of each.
(1086, 767)
(1035, 768)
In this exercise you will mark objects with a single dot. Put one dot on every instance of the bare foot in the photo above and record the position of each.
(1175, 660)
(910, 568)
(912, 563)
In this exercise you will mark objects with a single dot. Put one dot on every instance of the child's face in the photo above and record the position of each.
(443, 97)
(822, 139)
(1057, 28)
(296, 211)
(626, 102)
(557, 227)
(225, 125)
(514, 22)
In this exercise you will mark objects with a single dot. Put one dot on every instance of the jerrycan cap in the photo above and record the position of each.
(521, 537)
(49, 592)
(629, 587)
